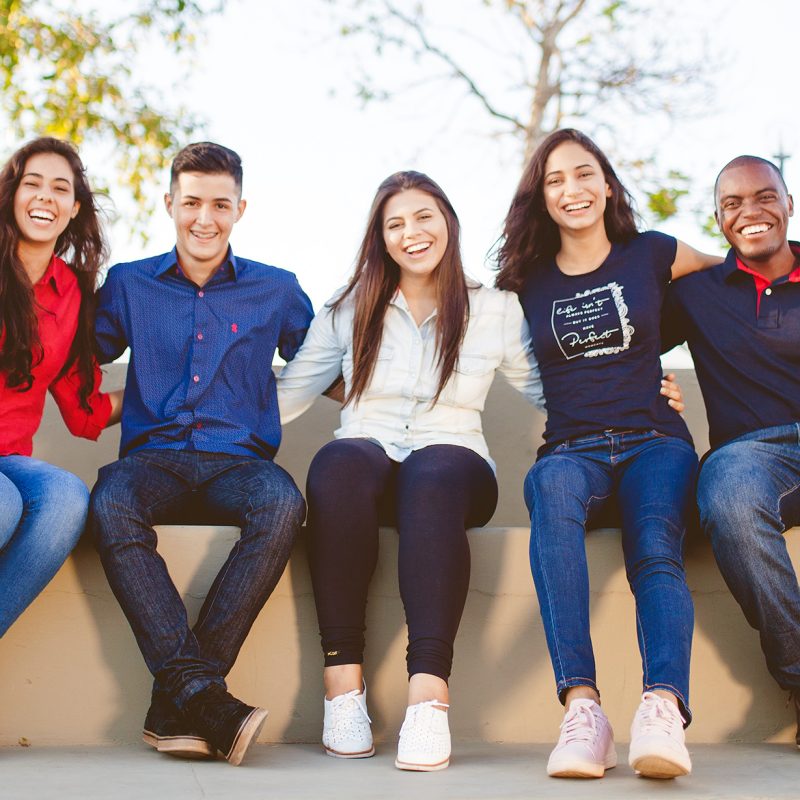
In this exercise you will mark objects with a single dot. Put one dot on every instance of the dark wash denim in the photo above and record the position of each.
(749, 495)
(168, 486)
(649, 479)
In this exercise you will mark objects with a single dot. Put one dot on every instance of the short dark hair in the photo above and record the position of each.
(209, 158)
(741, 161)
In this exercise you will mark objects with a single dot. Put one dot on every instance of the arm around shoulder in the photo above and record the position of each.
(519, 366)
(316, 366)
(688, 260)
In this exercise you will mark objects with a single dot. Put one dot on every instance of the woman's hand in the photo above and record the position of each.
(116, 407)
(671, 388)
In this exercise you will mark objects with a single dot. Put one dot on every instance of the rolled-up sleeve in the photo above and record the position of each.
(79, 421)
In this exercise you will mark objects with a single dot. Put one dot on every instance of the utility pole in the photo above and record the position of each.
(781, 157)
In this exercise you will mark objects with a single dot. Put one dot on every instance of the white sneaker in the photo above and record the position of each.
(585, 747)
(424, 744)
(658, 748)
(346, 731)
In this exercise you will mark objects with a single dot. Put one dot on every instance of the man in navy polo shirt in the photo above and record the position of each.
(200, 427)
(742, 322)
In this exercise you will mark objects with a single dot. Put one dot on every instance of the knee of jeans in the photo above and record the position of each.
(548, 477)
(67, 496)
(11, 509)
(728, 494)
(109, 507)
(652, 565)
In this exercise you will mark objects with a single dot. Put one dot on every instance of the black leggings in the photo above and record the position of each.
(432, 497)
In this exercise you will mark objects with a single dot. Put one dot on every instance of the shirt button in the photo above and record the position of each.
(200, 336)
(767, 291)
(201, 294)
(196, 379)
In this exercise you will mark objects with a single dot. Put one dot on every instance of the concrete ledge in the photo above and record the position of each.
(72, 673)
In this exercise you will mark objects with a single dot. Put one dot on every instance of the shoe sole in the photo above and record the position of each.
(248, 731)
(581, 770)
(659, 767)
(358, 754)
(422, 767)
(179, 746)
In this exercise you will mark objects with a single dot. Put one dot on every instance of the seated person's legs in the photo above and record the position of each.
(49, 506)
(654, 496)
(347, 481)
(441, 490)
(563, 491)
(748, 495)
(154, 486)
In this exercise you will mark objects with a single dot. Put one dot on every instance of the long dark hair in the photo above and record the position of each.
(377, 276)
(529, 232)
(82, 245)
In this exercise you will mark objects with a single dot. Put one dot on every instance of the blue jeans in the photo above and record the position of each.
(647, 478)
(162, 486)
(749, 494)
(42, 515)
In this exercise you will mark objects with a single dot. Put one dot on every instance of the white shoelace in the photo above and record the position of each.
(580, 726)
(349, 699)
(657, 714)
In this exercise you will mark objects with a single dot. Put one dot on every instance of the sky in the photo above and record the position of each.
(274, 81)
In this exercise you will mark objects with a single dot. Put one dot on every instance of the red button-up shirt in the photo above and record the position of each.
(58, 300)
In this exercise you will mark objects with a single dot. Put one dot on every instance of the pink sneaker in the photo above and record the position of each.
(658, 748)
(585, 747)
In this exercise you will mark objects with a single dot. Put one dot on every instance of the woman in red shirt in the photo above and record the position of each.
(47, 211)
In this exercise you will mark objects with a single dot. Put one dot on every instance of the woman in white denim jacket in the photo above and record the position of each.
(418, 345)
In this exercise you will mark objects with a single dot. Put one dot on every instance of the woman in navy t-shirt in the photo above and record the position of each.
(592, 287)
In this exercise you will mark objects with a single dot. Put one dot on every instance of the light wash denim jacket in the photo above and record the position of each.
(395, 410)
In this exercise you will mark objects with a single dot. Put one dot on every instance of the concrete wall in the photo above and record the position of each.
(72, 672)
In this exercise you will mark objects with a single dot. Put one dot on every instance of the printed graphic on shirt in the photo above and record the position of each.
(592, 323)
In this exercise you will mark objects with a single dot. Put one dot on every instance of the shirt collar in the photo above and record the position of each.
(732, 266)
(56, 274)
(170, 261)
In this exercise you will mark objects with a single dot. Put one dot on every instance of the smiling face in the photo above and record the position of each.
(204, 208)
(415, 233)
(44, 202)
(753, 211)
(575, 188)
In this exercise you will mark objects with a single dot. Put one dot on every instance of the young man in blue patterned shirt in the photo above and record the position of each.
(200, 427)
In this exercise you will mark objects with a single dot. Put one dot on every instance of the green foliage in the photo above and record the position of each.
(663, 202)
(73, 74)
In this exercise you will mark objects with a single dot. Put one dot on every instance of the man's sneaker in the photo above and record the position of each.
(229, 724)
(585, 747)
(658, 748)
(166, 729)
(424, 744)
(346, 732)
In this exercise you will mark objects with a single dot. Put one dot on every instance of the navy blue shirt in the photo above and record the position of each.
(200, 375)
(597, 340)
(746, 355)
